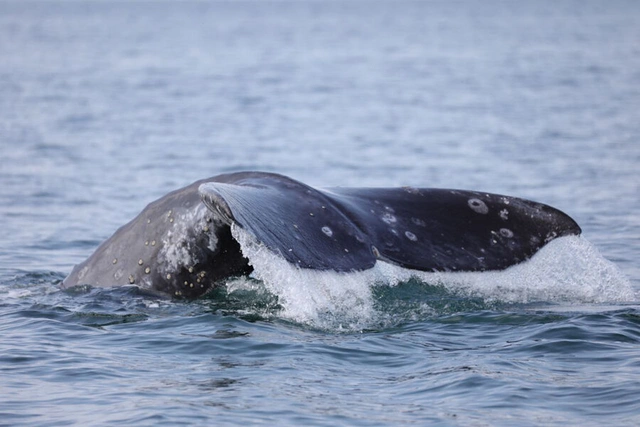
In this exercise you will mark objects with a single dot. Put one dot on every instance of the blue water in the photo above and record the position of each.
(106, 106)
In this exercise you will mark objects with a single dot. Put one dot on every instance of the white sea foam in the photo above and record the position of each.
(568, 270)
(177, 244)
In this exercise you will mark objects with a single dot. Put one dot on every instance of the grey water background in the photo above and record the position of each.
(106, 106)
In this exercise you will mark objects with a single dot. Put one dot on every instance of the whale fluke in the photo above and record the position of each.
(182, 243)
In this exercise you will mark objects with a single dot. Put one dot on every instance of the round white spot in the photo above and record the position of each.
(505, 232)
(418, 221)
(478, 206)
(411, 236)
(326, 230)
(388, 218)
(83, 272)
(411, 190)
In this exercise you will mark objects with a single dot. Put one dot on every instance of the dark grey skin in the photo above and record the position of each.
(182, 244)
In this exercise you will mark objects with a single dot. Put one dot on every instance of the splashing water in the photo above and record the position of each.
(568, 270)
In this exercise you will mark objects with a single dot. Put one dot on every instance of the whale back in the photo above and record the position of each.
(175, 246)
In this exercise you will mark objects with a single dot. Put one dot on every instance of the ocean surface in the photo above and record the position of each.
(106, 106)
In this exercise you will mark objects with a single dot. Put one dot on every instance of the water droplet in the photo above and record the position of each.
(140, 262)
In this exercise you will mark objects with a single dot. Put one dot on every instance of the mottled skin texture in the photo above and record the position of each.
(182, 244)
(135, 253)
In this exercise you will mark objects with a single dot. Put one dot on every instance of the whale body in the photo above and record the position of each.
(183, 245)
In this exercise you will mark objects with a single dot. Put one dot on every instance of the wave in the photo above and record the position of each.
(568, 274)
(567, 271)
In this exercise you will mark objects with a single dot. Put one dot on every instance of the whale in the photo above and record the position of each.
(184, 244)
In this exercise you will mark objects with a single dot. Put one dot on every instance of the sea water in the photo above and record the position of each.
(106, 106)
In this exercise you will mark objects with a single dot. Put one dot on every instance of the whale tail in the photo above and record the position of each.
(346, 229)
